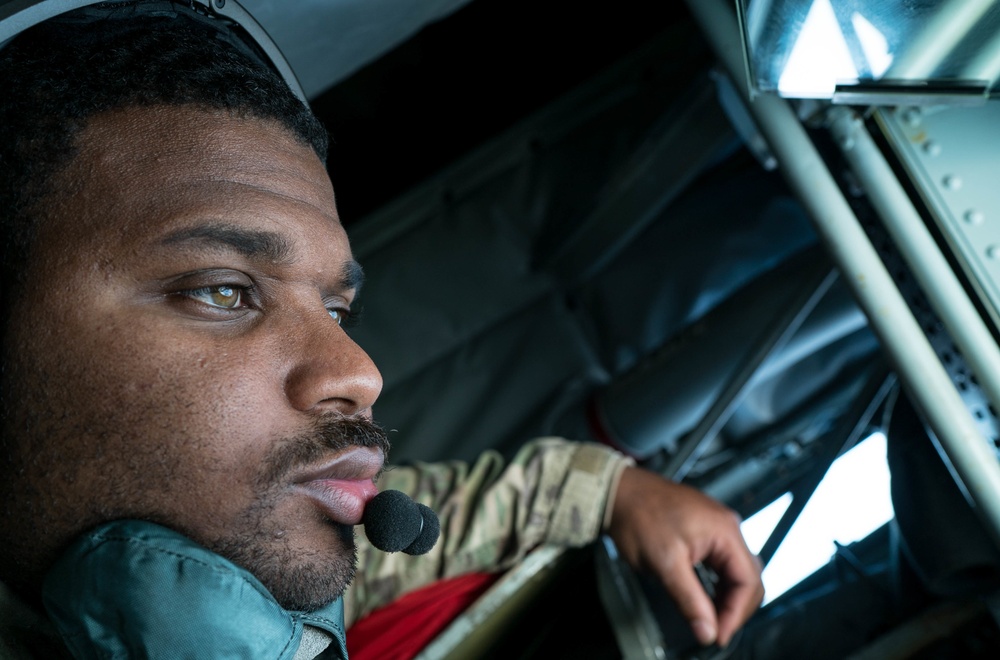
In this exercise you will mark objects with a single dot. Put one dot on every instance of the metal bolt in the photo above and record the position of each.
(911, 116)
(952, 182)
(993, 252)
(219, 4)
(843, 128)
(974, 217)
(791, 449)
(932, 148)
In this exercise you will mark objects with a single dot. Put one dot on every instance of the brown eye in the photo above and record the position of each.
(223, 297)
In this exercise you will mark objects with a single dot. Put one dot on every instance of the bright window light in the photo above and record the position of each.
(850, 503)
(820, 57)
(873, 43)
(759, 526)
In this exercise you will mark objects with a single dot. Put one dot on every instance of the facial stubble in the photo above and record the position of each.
(300, 580)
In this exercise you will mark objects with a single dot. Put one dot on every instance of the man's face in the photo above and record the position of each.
(177, 356)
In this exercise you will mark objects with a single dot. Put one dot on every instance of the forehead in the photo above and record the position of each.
(141, 173)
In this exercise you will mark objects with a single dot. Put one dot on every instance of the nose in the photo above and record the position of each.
(329, 372)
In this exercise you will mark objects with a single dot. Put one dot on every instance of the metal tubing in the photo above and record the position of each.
(914, 241)
(907, 346)
(776, 336)
(854, 422)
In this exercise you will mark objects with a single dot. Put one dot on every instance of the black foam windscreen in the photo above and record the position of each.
(428, 536)
(394, 522)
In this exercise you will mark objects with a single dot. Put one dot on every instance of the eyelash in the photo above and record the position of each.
(351, 318)
(347, 318)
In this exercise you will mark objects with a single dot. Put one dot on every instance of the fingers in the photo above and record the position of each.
(739, 591)
(693, 602)
(667, 528)
(739, 594)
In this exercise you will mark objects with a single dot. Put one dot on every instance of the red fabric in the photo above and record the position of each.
(401, 629)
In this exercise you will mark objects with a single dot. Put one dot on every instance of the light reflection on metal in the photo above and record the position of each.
(819, 48)
(986, 64)
(937, 39)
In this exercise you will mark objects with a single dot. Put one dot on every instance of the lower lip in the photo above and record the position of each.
(342, 501)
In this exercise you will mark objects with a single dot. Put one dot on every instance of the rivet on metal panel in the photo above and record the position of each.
(932, 148)
(993, 252)
(952, 182)
(911, 117)
(974, 217)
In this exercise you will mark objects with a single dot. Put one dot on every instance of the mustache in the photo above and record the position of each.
(329, 436)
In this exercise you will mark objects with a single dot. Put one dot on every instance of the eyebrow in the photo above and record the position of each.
(352, 276)
(255, 244)
(250, 243)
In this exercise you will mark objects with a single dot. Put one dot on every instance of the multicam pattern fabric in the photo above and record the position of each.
(492, 515)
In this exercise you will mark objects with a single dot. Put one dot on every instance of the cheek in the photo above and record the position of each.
(165, 407)
(196, 397)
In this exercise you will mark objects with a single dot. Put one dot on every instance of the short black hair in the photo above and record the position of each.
(59, 74)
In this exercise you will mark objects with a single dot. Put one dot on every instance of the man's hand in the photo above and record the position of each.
(666, 528)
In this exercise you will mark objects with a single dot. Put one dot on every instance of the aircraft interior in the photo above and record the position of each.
(594, 223)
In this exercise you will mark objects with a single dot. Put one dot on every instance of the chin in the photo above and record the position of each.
(300, 576)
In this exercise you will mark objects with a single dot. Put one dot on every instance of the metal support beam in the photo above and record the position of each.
(850, 429)
(775, 336)
(918, 248)
(901, 335)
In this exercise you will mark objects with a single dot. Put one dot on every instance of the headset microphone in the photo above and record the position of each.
(394, 522)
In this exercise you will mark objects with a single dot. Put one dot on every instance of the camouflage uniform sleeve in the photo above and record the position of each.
(553, 491)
